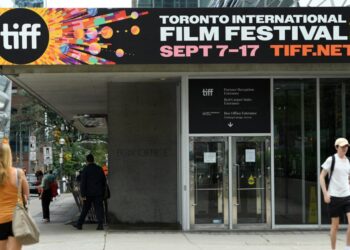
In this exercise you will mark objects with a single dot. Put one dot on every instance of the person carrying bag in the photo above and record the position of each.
(24, 228)
(14, 191)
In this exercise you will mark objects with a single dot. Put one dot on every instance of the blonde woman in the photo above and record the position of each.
(8, 197)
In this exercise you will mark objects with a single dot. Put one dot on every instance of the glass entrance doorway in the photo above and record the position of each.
(230, 182)
(250, 180)
(209, 181)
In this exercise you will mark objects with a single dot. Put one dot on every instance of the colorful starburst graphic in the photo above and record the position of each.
(80, 36)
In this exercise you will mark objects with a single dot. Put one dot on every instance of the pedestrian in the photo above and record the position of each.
(46, 195)
(92, 189)
(337, 195)
(8, 196)
(39, 176)
(105, 168)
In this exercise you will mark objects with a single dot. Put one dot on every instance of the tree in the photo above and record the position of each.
(30, 117)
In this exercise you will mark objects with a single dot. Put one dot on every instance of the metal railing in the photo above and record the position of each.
(74, 187)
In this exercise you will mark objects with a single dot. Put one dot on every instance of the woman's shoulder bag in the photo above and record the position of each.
(24, 228)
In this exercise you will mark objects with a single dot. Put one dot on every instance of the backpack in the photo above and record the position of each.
(328, 180)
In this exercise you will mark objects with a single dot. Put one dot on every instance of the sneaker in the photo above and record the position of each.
(100, 227)
(77, 226)
(45, 220)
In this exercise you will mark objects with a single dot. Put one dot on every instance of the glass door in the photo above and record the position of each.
(230, 172)
(251, 181)
(209, 181)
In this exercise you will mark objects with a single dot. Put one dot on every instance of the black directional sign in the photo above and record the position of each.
(229, 106)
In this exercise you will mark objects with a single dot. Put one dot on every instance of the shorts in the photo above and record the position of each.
(6, 230)
(339, 206)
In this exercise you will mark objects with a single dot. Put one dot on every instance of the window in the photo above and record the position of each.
(334, 120)
(295, 151)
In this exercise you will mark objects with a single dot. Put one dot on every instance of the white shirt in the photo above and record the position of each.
(339, 185)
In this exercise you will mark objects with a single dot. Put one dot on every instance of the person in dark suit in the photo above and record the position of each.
(92, 188)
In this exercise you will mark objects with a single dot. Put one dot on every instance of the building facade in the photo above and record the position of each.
(230, 190)
(168, 3)
(29, 3)
(238, 3)
(205, 131)
(267, 179)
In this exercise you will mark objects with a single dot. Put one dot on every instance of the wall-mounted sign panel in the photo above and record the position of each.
(174, 36)
(229, 106)
(32, 143)
(48, 158)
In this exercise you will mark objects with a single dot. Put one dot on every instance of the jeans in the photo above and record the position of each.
(45, 203)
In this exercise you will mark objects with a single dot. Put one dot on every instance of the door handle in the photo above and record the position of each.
(195, 177)
(238, 177)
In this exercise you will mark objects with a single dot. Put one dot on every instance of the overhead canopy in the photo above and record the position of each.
(80, 97)
(75, 92)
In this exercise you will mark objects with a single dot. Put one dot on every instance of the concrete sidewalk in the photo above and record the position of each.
(58, 235)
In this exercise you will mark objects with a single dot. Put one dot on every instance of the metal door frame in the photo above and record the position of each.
(230, 209)
(226, 213)
(233, 211)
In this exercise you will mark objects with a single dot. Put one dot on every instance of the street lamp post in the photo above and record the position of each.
(62, 141)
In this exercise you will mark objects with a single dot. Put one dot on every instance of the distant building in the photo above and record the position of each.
(29, 3)
(252, 3)
(237, 3)
(168, 4)
(5, 106)
(211, 3)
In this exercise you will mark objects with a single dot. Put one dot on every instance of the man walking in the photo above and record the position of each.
(92, 188)
(337, 196)
(46, 195)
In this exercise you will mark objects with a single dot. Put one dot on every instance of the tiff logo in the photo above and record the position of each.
(27, 31)
(208, 92)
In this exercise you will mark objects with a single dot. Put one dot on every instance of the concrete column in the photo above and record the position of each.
(142, 130)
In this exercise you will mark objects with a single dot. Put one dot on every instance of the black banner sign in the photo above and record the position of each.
(229, 106)
(174, 36)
